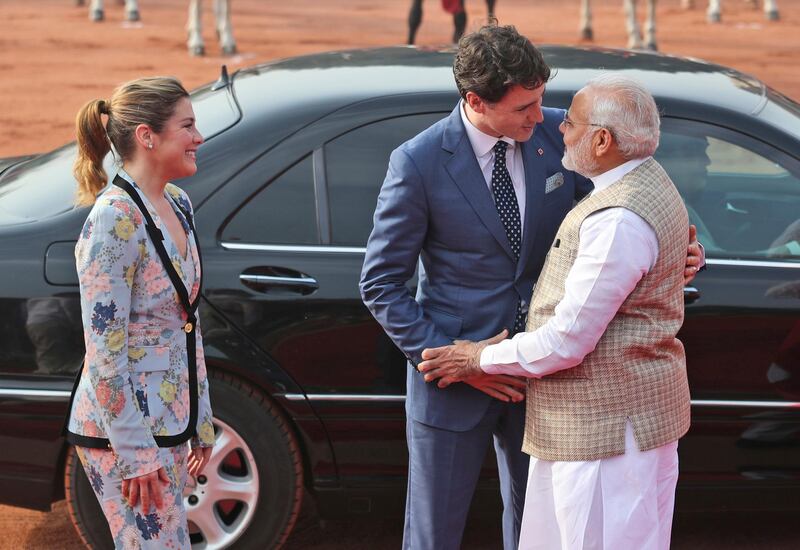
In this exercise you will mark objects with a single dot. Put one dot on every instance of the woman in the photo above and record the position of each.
(143, 392)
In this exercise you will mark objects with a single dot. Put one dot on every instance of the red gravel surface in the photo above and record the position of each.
(53, 59)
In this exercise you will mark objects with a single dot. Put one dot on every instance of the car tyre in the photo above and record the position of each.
(84, 510)
(260, 450)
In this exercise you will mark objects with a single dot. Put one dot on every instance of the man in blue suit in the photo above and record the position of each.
(477, 198)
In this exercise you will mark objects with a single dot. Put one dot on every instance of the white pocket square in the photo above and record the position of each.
(554, 182)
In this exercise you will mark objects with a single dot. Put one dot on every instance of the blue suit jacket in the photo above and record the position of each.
(435, 206)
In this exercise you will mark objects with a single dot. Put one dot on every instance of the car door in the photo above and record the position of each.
(287, 267)
(742, 326)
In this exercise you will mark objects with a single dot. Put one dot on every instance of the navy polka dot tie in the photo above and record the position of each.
(506, 202)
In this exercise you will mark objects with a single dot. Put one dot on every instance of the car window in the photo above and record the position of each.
(355, 166)
(282, 212)
(743, 196)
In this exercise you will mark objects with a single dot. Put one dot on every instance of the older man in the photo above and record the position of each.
(608, 397)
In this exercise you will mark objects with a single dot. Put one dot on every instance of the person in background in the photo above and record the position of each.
(455, 7)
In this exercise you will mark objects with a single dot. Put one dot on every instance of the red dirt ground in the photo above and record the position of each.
(53, 59)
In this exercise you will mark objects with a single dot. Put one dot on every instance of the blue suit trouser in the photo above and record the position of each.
(443, 471)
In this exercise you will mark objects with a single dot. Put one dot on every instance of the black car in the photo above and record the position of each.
(307, 390)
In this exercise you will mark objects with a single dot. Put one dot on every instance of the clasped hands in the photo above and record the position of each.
(460, 362)
(149, 486)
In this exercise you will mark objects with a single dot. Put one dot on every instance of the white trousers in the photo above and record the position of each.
(619, 503)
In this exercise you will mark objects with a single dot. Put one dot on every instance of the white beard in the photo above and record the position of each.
(578, 158)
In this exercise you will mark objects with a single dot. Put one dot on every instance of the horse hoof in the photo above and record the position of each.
(79, 2)
(714, 18)
(652, 46)
(587, 34)
(772, 15)
(97, 15)
(133, 16)
(229, 50)
(197, 51)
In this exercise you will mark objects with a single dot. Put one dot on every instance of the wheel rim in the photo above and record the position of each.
(220, 504)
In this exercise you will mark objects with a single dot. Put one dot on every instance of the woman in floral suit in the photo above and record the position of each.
(141, 399)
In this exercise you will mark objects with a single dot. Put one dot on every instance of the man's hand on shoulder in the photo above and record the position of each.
(458, 362)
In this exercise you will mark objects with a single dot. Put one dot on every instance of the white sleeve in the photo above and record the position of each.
(617, 248)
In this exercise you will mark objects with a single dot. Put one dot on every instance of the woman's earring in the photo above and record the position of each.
(150, 145)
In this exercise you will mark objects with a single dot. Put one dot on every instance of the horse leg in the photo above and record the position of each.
(414, 20)
(586, 21)
(459, 23)
(634, 33)
(650, 26)
(222, 11)
(132, 10)
(713, 14)
(195, 29)
(490, 9)
(771, 10)
(96, 12)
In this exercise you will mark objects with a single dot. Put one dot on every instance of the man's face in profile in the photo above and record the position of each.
(515, 115)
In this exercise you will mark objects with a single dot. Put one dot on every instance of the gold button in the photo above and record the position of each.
(188, 327)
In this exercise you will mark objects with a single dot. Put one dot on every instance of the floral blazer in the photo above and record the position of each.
(135, 380)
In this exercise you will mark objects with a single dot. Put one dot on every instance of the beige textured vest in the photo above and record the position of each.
(637, 372)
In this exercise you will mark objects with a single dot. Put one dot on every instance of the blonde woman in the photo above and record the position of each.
(141, 400)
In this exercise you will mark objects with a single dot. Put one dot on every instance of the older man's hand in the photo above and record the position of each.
(457, 362)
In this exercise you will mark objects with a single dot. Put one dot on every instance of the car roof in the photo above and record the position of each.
(349, 76)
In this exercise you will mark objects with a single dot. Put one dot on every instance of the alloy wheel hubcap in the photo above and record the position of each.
(221, 502)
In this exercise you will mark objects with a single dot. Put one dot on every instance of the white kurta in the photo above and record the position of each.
(619, 503)
(623, 502)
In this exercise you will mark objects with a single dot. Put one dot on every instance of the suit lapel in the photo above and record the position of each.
(463, 168)
(534, 165)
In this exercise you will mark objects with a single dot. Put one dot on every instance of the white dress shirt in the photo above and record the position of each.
(483, 146)
(617, 248)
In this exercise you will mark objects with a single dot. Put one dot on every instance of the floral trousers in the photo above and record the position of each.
(131, 528)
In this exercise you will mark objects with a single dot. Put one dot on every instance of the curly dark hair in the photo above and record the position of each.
(494, 58)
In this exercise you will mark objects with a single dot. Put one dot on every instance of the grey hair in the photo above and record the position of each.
(625, 107)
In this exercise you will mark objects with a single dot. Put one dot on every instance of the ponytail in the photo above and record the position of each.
(93, 146)
(149, 101)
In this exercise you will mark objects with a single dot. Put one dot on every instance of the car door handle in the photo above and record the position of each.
(690, 295)
(278, 280)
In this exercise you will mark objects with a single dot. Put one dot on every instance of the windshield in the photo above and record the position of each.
(43, 187)
(782, 112)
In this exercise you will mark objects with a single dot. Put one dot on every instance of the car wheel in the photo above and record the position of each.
(250, 492)
(84, 510)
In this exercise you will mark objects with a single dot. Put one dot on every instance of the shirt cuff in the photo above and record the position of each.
(486, 359)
